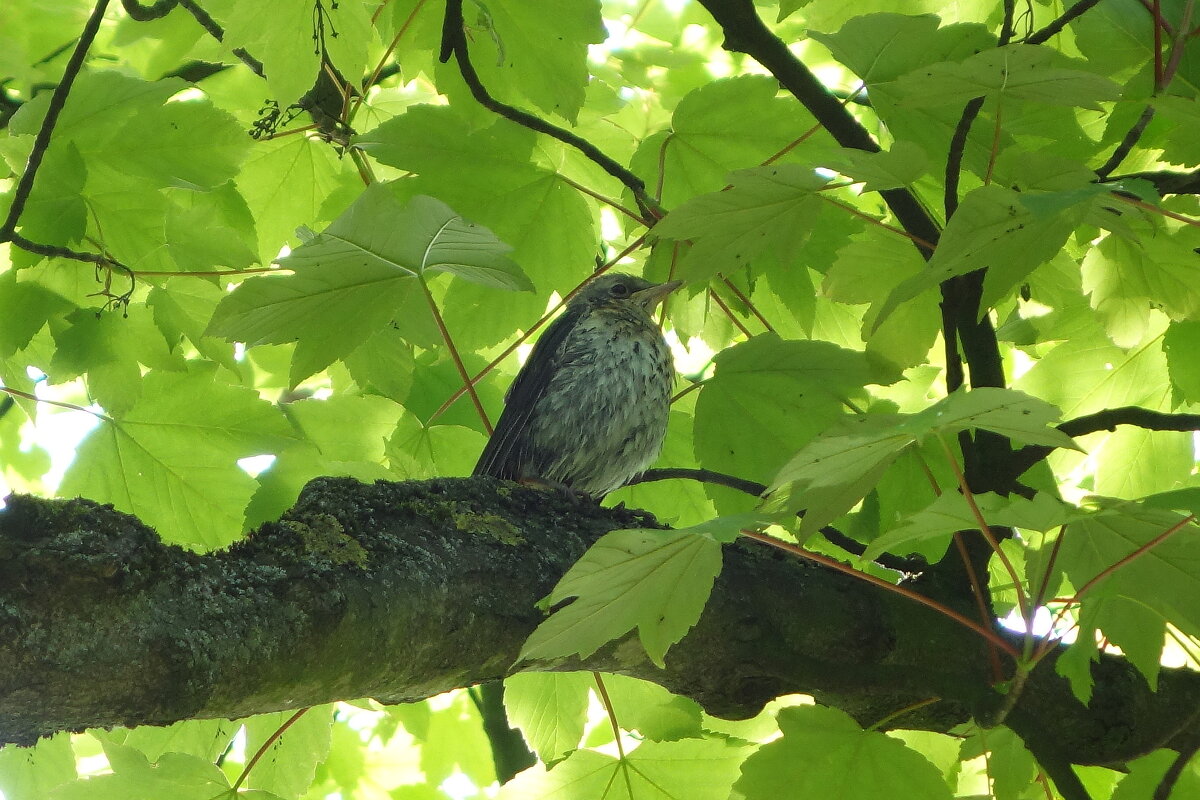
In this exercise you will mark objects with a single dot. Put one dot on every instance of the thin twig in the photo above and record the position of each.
(457, 359)
(981, 604)
(662, 166)
(1165, 786)
(1050, 642)
(990, 635)
(746, 302)
(608, 201)
(685, 391)
(752, 488)
(1106, 420)
(1178, 43)
(985, 529)
(923, 243)
(1006, 26)
(55, 251)
(362, 96)
(1127, 143)
(737, 323)
(59, 403)
(662, 308)
(1133, 201)
(958, 146)
(141, 13)
(907, 566)
(908, 709)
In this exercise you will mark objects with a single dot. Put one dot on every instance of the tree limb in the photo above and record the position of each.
(400, 591)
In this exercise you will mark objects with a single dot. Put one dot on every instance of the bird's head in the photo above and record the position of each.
(618, 290)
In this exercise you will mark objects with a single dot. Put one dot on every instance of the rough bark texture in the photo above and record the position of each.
(399, 591)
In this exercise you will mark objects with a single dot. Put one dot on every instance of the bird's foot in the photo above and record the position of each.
(566, 492)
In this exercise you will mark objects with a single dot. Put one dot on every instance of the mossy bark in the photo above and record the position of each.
(400, 591)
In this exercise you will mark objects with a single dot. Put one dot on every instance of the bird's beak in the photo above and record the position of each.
(651, 296)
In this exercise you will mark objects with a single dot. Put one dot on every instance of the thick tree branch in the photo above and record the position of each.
(402, 591)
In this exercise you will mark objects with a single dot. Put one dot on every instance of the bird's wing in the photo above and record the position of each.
(504, 455)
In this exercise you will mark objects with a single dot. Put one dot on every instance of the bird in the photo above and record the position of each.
(588, 410)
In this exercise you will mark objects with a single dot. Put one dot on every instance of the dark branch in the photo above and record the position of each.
(454, 42)
(1127, 143)
(1006, 27)
(1110, 418)
(54, 251)
(1057, 25)
(217, 32)
(753, 488)
(1171, 776)
(1106, 420)
(958, 145)
(1165, 182)
(57, 100)
(141, 13)
(746, 33)
(196, 71)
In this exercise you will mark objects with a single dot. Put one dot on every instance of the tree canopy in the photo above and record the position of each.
(267, 268)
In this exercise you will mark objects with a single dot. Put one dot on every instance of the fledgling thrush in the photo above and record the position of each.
(588, 411)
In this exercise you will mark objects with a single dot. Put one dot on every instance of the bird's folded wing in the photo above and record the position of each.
(507, 450)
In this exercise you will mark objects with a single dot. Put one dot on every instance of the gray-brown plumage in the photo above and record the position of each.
(589, 409)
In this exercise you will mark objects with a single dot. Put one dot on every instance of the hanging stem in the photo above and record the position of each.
(788, 547)
(59, 403)
(737, 323)
(1022, 599)
(266, 746)
(468, 385)
(746, 301)
(1108, 571)
(608, 201)
(606, 701)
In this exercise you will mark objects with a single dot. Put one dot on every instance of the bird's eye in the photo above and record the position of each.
(619, 290)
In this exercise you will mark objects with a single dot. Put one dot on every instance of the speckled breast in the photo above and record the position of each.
(604, 414)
